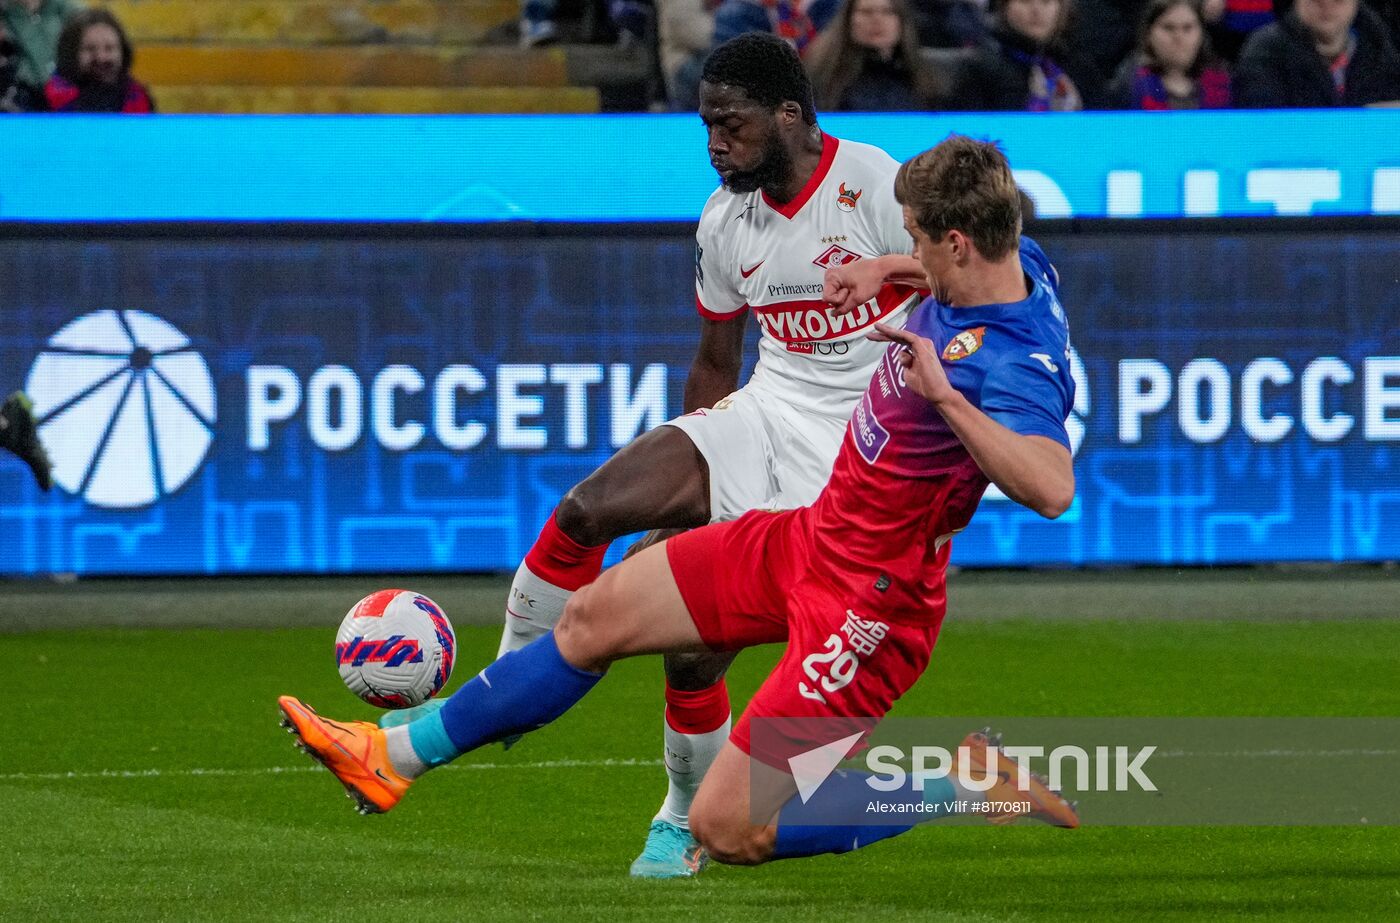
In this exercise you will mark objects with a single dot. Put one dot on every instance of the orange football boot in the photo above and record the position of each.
(1038, 802)
(354, 750)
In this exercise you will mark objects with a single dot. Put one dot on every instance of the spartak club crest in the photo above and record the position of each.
(834, 256)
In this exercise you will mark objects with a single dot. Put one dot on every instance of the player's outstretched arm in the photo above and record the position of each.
(1035, 471)
(714, 373)
(848, 287)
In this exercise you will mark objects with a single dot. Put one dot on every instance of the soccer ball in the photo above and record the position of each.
(395, 649)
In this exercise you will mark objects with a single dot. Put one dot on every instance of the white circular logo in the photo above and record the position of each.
(125, 407)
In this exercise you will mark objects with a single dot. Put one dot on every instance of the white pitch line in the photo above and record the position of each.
(284, 770)
(1272, 753)
(568, 764)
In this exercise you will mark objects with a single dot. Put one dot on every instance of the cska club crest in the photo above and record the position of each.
(846, 199)
(964, 344)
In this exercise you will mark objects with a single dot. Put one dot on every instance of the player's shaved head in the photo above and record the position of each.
(965, 185)
(766, 68)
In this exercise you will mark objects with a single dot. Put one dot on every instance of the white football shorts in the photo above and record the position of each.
(762, 453)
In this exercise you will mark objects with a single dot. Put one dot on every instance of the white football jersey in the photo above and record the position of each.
(754, 254)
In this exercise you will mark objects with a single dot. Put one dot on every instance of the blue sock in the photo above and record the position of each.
(523, 690)
(838, 818)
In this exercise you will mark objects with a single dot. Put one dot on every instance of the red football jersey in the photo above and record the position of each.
(904, 483)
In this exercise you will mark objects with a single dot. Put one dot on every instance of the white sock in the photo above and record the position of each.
(688, 758)
(532, 610)
(402, 756)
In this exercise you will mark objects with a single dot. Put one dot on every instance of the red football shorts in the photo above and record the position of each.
(759, 580)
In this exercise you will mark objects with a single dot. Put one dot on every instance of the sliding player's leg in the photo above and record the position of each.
(838, 677)
(633, 609)
(748, 813)
(722, 816)
(841, 673)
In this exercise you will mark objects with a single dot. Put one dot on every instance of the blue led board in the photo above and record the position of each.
(654, 168)
(265, 404)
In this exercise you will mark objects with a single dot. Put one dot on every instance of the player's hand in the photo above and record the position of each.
(923, 370)
(848, 287)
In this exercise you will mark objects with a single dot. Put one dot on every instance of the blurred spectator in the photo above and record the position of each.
(868, 60)
(797, 21)
(684, 31)
(632, 19)
(1103, 32)
(1173, 66)
(94, 68)
(14, 95)
(34, 26)
(1323, 53)
(1388, 11)
(1026, 66)
(545, 22)
(950, 23)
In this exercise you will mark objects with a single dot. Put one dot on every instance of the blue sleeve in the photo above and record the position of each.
(736, 17)
(1023, 394)
(1036, 262)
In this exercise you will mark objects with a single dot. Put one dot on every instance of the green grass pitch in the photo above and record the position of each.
(144, 778)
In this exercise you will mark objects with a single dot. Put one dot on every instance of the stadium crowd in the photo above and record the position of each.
(875, 55)
(1041, 55)
(56, 56)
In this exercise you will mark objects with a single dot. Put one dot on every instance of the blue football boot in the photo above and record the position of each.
(671, 852)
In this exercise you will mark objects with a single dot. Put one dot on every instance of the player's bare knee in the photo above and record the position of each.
(733, 841)
(695, 672)
(579, 514)
(585, 636)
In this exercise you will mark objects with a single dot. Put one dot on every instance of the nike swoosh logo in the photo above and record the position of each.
(513, 613)
(748, 272)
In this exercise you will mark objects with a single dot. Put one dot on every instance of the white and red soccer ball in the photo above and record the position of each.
(395, 649)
